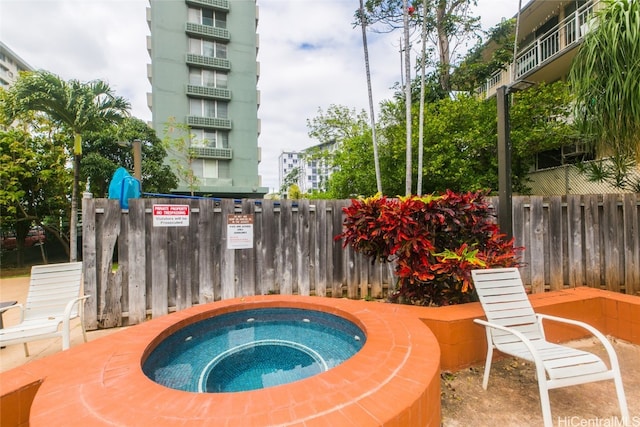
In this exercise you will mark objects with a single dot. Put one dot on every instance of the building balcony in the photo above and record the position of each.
(209, 122)
(537, 60)
(208, 92)
(207, 32)
(222, 5)
(208, 62)
(212, 153)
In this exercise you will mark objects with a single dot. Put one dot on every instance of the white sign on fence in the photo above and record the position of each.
(170, 215)
(239, 231)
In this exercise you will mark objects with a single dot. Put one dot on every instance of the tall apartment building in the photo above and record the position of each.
(204, 75)
(10, 66)
(311, 167)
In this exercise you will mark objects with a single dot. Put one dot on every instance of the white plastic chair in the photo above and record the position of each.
(513, 328)
(53, 300)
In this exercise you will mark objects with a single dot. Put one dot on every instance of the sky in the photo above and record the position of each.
(310, 56)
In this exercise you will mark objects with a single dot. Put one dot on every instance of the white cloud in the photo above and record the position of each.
(310, 56)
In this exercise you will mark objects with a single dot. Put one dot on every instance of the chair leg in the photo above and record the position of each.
(544, 400)
(622, 401)
(84, 333)
(66, 340)
(487, 367)
(26, 350)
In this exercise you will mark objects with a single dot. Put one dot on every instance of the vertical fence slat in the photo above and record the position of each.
(90, 282)
(122, 272)
(109, 310)
(556, 280)
(631, 244)
(337, 253)
(262, 266)
(136, 273)
(227, 256)
(205, 239)
(536, 245)
(160, 272)
(320, 252)
(575, 262)
(592, 241)
(303, 250)
(245, 259)
(612, 242)
(286, 265)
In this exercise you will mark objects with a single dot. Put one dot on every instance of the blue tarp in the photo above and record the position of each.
(124, 187)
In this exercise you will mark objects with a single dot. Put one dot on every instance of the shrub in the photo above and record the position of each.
(435, 241)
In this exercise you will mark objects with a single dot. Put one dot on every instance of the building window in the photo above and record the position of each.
(208, 108)
(208, 17)
(207, 48)
(211, 139)
(209, 168)
(209, 78)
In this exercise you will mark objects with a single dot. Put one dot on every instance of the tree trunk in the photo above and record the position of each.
(423, 65)
(407, 70)
(371, 109)
(443, 47)
(73, 219)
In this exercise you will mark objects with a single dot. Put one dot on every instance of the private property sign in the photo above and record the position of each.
(239, 231)
(170, 215)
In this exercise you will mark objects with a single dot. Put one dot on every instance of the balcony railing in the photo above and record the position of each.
(208, 62)
(212, 153)
(208, 92)
(209, 122)
(562, 37)
(207, 31)
(214, 4)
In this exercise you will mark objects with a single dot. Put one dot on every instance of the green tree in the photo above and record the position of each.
(293, 177)
(294, 192)
(450, 24)
(177, 142)
(76, 107)
(34, 183)
(103, 155)
(604, 78)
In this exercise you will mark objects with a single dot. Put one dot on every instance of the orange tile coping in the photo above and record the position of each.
(394, 380)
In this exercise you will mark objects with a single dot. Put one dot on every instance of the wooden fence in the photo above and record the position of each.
(569, 241)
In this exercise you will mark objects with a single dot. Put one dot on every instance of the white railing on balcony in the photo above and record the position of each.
(558, 39)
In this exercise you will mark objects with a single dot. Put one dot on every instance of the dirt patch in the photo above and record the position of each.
(512, 397)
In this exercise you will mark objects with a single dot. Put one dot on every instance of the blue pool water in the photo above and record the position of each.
(252, 349)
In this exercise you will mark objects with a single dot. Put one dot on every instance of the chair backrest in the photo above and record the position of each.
(51, 288)
(505, 302)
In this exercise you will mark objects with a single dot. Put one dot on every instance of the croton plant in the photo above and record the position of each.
(435, 241)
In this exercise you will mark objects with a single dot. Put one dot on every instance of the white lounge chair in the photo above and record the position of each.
(53, 299)
(513, 328)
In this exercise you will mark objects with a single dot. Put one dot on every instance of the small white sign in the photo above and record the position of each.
(170, 215)
(239, 231)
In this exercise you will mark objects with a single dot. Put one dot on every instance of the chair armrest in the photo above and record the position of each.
(20, 306)
(70, 304)
(2, 310)
(526, 341)
(613, 358)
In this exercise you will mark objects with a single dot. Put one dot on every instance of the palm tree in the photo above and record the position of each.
(604, 79)
(407, 93)
(76, 107)
(376, 161)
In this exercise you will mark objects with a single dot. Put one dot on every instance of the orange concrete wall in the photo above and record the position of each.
(463, 343)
